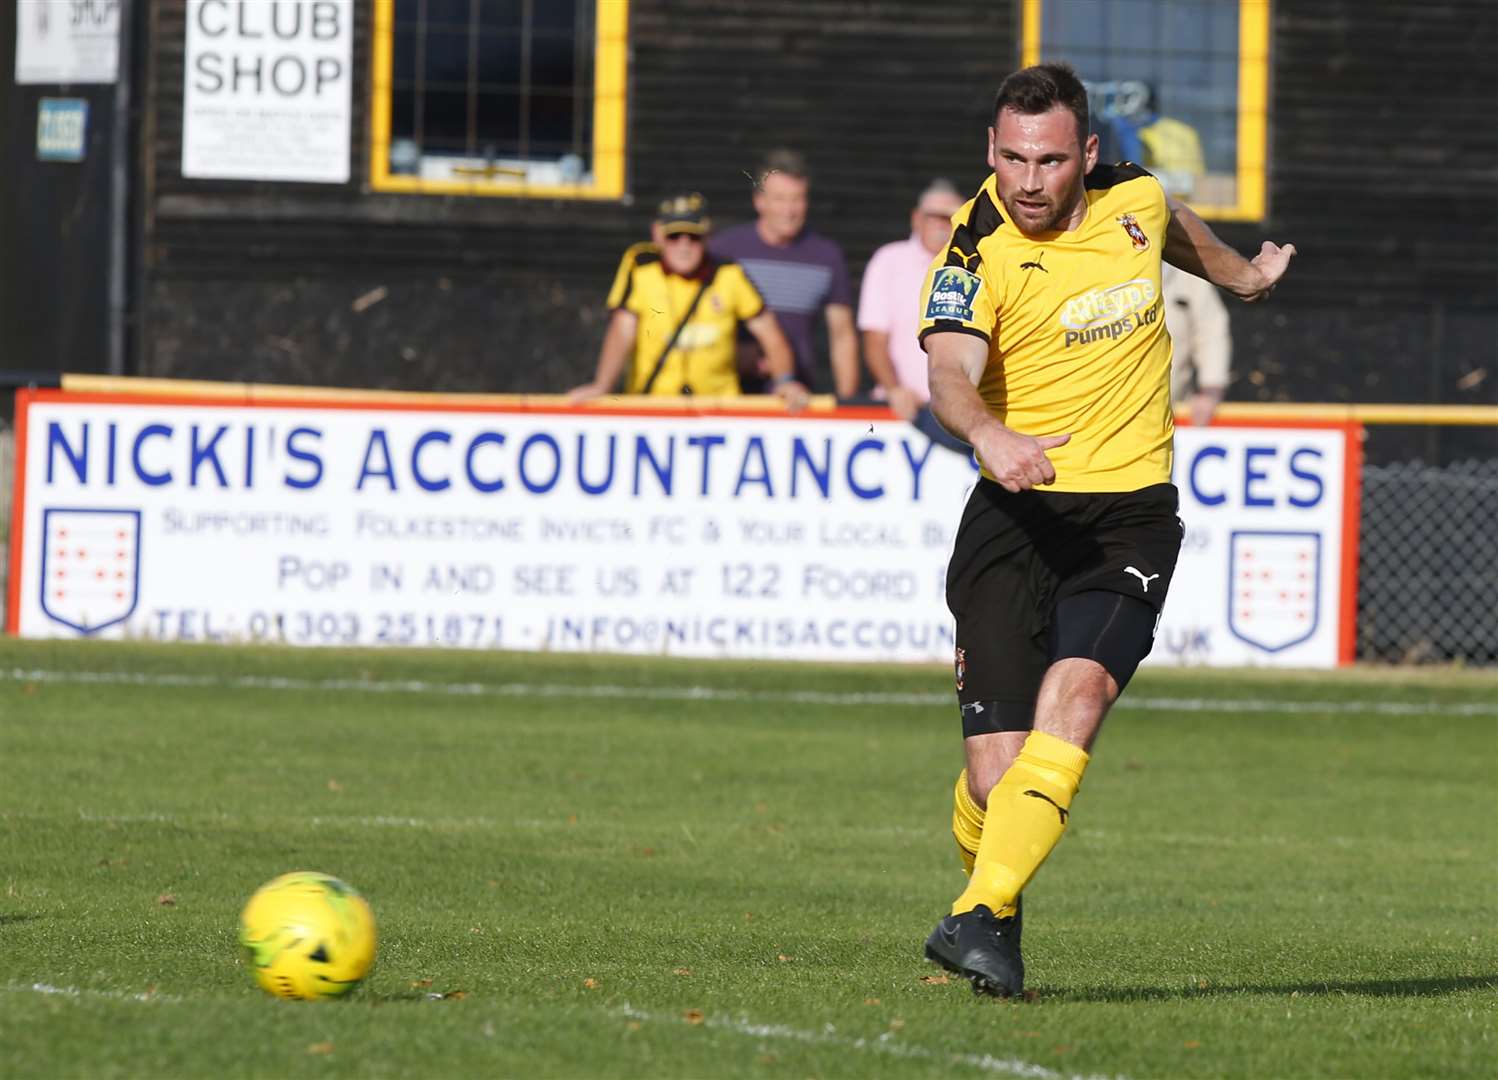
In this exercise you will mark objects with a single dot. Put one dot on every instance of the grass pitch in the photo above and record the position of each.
(606, 867)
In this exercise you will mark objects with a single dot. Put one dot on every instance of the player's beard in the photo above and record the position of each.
(1053, 219)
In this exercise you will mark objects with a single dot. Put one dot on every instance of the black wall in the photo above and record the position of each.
(54, 218)
(1384, 172)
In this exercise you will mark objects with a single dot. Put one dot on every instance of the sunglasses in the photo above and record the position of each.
(693, 237)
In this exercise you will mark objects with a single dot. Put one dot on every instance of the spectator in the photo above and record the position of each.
(1201, 341)
(799, 272)
(1169, 148)
(890, 293)
(675, 312)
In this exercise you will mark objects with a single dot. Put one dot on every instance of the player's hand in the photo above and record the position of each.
(793, 394)
(1018, 462)
(1271, 262)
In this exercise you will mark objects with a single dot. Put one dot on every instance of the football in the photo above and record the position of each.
(307, 936)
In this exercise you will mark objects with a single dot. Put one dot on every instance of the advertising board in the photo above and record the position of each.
(721, 533)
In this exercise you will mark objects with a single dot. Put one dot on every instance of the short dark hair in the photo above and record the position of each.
(1039, 89)
(784, 161)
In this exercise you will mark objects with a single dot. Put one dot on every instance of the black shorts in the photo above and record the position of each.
(1018, 556)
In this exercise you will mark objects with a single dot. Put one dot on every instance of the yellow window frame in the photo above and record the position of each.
(610, 77)
(1253, 103)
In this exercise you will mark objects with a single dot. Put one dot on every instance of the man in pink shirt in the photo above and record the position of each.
(889, 299)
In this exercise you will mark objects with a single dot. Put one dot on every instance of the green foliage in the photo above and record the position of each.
(583, 867)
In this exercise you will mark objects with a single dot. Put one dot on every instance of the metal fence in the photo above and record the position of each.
(1428, 566)
(7, 476)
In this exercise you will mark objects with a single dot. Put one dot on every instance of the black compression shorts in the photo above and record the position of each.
(1038, 576)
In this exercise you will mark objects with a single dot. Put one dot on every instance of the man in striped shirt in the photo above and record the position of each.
(799, 272)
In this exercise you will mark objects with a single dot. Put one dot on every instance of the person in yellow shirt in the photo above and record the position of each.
(675, 312)
(1048, 354)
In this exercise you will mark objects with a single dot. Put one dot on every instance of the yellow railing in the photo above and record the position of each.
(245, 392)
(1439, 415)
(1279, 412)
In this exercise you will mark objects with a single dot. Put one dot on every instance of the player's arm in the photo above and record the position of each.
(618, 343)
(1191, 245)
(779, 359)
(842, 343)
(956, 361)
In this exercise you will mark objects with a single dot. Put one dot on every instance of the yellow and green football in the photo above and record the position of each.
(307, 936)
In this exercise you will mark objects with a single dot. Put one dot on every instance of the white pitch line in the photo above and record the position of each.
(1081, 834)
(886, 1044)
(708, 693)
(75, 992)
(1380, 708)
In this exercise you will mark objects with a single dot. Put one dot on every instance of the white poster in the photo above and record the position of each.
(1267, 573)
(67, 41)
(717, 535)
(267, 91)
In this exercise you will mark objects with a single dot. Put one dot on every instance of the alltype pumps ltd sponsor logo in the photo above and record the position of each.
(1110, 313)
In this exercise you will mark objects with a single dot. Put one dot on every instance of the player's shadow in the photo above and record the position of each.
(11, 920)
(1374, 988)
(407, 997)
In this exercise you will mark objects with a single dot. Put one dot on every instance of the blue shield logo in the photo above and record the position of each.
(953, 291)
(1274, 588)
(90, 576)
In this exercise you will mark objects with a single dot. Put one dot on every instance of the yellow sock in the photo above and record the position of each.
(967, 823)
(967, 828)
(1030, 805)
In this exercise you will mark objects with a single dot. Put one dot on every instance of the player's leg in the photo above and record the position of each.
(989, 756)
(996, 588)
(982, 944)
(1079, 690)
(1028, 809)
(1074, 695)
(994, 592)
(1097, 639)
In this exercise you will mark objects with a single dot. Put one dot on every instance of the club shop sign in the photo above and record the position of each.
(267, 90)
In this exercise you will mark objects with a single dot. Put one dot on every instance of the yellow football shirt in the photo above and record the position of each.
(1075, 325)
(704, 358)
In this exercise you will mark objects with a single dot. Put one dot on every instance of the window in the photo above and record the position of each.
(499, 97)
(1179, 86)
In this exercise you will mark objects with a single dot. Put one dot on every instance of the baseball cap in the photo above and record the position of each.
(684, 214)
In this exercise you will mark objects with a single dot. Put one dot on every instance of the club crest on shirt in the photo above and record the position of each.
(1131, 226)
(953, 290)
(960, 663)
